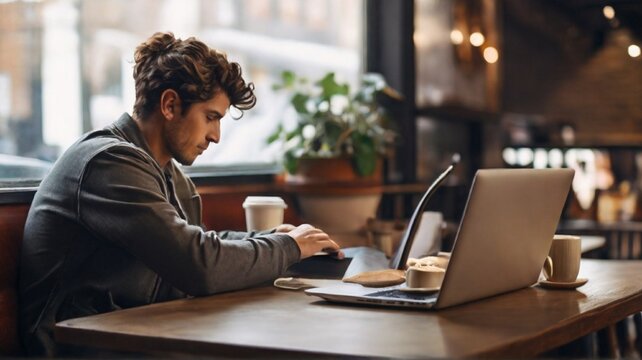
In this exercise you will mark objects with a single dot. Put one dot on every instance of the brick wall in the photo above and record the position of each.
(553, 68)
(603, 96)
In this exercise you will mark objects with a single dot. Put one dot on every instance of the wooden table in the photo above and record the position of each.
(268, 321)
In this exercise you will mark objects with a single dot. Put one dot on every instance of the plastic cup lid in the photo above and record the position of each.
(264, 201)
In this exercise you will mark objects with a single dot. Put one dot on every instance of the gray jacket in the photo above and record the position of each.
(109, 229)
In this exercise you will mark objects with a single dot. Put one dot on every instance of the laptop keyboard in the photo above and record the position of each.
(398, 294)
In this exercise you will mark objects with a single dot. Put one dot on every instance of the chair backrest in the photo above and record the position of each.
(12, 221)
(624, 240)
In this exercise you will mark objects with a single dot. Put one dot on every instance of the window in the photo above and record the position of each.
(66, 66)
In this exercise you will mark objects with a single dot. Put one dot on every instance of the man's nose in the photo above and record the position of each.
(214, 135)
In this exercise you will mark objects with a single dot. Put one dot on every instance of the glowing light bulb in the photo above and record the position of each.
(555, 158)
(525, 156)
(477, 39)
(510, 156)
(634, 51)
(608, 12)
(491, 55)
(456, 37)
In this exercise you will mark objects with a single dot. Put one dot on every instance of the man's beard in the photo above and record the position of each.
(181, 159)
(175, 149)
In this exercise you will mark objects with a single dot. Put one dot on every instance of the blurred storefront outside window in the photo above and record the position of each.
(66, 66)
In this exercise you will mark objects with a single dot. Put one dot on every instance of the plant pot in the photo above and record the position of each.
(343, 217)
(335, 171)
(332, 197)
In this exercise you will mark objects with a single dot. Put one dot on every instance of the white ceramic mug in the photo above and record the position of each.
(563, 261)
(263, 212)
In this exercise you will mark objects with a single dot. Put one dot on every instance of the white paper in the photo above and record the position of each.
(428, 237)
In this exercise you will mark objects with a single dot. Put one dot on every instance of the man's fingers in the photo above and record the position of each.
(312, 240)
(329, 245)
(335, 254)
(284, 228)
(318, 236)
(312, 233)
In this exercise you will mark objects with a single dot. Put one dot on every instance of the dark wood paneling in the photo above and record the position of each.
(12, 221)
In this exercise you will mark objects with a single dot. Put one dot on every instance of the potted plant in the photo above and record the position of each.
(335, 129)
(332, 153)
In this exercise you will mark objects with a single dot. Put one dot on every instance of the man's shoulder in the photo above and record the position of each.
(97, 144)
(106, 141)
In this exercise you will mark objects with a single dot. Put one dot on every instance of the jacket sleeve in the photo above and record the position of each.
(122, 199)
(241, 235)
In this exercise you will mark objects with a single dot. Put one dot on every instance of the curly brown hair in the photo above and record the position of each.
(189, 67)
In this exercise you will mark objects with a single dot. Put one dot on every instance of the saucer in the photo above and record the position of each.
(563, 285)
(419, 290)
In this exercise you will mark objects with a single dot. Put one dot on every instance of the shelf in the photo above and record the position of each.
(458, 113)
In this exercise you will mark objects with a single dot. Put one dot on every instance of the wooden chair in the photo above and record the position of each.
(623, 242)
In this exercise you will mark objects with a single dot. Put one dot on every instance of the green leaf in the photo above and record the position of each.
(275, 135)
(332, 131)
(365, 154)
(299, 102)
(330, 87)
(288, 78)
(290, 162)
(289, 136)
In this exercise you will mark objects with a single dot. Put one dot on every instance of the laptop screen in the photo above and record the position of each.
(401, 256)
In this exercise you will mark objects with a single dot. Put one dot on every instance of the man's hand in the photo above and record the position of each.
(312, 240)
(284, 228)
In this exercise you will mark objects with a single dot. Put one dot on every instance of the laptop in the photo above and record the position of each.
(504, 236)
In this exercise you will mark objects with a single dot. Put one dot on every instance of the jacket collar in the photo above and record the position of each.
(126, 127)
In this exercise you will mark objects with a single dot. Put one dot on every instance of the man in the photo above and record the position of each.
(116, 223)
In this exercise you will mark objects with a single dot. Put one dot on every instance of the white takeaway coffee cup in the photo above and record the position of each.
(263, 212)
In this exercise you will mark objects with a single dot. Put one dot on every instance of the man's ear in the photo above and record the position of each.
(170, 104)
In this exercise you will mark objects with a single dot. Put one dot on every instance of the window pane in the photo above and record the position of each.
(66, 65)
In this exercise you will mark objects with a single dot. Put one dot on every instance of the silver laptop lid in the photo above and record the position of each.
(505, 233)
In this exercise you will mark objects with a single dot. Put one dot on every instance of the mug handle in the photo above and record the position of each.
(548, 268)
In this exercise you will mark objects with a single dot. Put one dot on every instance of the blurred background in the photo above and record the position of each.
(515, 84)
